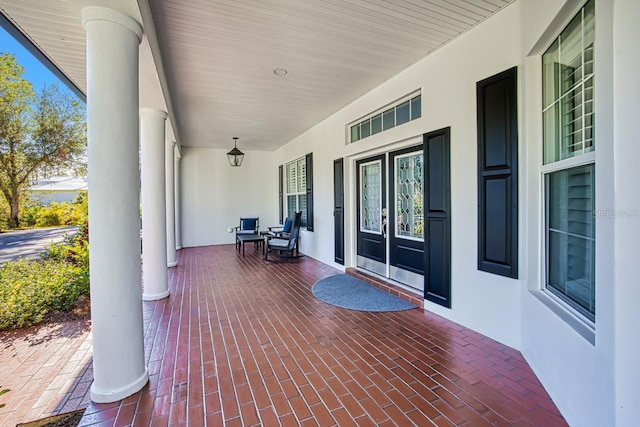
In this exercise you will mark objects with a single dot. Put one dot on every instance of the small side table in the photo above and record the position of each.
(241, 239)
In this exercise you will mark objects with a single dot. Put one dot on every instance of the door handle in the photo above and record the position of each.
(384, 223)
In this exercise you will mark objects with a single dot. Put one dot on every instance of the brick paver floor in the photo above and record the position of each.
(47, 370)
(243, 342)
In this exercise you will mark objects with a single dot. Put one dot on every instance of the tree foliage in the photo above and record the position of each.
(39, 133)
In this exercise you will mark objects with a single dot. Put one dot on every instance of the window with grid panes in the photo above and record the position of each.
(296, 189)
(569, 164)
(404, 111)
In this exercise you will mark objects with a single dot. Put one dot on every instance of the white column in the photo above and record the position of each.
(170, 207)
(112, 130)
(154, 218)
(178, 206)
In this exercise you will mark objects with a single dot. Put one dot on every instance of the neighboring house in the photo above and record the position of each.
(57, 189)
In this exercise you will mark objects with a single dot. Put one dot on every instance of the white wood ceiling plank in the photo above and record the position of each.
(219, 56)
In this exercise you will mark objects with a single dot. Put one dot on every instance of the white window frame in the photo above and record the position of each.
(585, 326)
(297, 162)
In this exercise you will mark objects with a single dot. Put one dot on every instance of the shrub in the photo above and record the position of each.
(29, 289)
(29, 208)
(49, 216)
(34, 214)
(28, 215)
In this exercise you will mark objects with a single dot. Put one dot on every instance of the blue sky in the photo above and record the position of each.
(35, 71)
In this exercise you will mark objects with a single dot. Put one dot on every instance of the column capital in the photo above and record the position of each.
(99, 13)
(152, 112)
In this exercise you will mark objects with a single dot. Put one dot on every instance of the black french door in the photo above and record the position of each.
(371, 214)
(391, 238)
(408, 240)
(406, 216)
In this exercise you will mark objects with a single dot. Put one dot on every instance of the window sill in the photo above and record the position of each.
(582, 326)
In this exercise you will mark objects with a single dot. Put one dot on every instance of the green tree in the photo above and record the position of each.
(43, 133)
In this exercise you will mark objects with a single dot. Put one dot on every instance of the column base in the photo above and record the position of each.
(178, 248)
(155, 297)
(172, 264)
(108, 396)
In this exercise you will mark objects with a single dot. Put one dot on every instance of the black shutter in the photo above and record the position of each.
(437, 218)
(309, 170)
(498, 174)
(338, 210)
(280, 195)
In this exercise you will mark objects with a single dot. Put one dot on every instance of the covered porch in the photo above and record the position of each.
(218, 338)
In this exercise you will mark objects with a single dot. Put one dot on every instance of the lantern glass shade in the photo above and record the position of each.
(235, 156)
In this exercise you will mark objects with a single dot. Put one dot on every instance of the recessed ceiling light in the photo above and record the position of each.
(280, 72)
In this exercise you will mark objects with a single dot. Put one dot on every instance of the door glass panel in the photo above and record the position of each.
(371, 199)
(408, 182)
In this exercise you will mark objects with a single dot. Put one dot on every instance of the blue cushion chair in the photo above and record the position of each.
(281, 230)
(283, 243)
(247, 226)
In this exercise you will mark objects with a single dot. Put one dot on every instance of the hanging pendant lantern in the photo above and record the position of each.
(235, 156)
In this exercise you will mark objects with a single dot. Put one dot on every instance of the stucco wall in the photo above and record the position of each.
(589, 376)
(215, 195)
(626, 105)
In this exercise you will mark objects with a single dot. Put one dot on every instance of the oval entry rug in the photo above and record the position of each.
(346, 291)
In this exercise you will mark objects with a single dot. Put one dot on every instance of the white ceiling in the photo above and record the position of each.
(219, 56)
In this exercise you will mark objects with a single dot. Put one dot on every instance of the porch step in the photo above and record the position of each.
(387, 286)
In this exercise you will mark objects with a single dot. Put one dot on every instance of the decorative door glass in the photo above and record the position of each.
(371, 198)
(408, 182)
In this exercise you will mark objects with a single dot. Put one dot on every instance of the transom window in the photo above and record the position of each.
(569, 164)
(405, 110)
